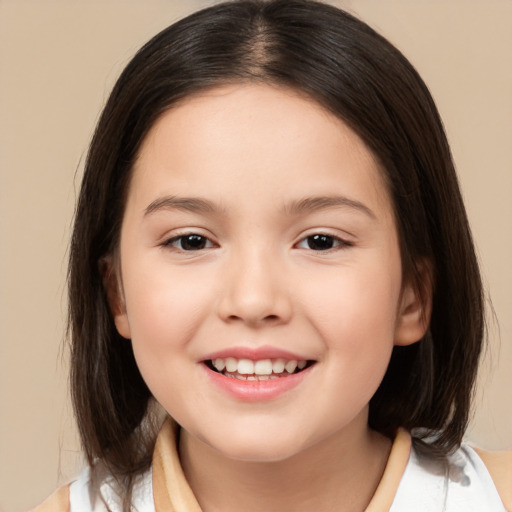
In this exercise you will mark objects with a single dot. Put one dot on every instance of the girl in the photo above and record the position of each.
(273, 287)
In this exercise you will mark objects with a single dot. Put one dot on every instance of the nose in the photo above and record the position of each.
(255, 291)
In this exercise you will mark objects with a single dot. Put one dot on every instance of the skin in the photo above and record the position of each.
(253, 152)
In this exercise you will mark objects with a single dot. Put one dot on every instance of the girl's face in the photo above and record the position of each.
(260, 274)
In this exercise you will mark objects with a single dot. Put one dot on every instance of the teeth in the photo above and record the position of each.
(245, 367)
(262, 369)
(291, 366)
(231, 364)
(219, 364)
(278, 366)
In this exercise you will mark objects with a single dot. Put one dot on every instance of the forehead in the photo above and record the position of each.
(246, 107)
(255, 132)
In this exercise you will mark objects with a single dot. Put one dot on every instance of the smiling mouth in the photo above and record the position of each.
(262, 369)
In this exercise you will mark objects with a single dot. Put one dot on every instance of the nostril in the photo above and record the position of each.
(267, 318)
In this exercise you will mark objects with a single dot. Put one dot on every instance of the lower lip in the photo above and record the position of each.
(256, 390)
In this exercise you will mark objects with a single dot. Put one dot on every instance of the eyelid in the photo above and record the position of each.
(341, 241)
(168, 241)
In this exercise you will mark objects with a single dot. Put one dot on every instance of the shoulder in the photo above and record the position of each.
(458, 482)
(84, 498)
(499, 465)
(57, 502)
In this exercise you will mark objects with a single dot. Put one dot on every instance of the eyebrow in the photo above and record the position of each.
(189, 204)
(312, 204)
(298, 207)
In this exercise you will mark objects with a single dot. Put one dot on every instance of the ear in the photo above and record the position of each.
(115, 296)
(415, 307)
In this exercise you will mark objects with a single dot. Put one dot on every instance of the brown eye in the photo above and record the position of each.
(189, 242)
(320, 242)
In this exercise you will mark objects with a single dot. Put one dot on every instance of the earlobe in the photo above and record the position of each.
(122, 324)
(115, 297)
(415, 309)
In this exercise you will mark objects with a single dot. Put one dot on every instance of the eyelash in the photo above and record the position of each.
(174, 241)
(337, 242)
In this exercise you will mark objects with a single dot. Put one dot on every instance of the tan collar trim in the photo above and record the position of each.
(395, 467)
(173, 494)
(171, 491)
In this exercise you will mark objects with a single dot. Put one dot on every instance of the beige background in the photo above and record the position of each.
(59, 60)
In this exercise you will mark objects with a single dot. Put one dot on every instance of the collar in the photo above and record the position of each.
(172, 493)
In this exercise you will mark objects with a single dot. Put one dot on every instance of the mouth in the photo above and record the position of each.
(257, 370)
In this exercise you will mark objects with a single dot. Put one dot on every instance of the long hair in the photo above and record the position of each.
(359, 76)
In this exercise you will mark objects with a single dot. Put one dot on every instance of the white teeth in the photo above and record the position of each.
(219, 364)
(231, 364)
(245, 367)
(278, 366)
(291, 366)
(263, 367)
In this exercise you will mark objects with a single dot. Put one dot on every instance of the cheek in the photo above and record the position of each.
(356, 314)
(164, 315)
(357, 325)
(157, 293)
(164, 311)
(354, 300)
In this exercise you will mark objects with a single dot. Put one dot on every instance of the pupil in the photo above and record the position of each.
(193, 242)
(320, 242)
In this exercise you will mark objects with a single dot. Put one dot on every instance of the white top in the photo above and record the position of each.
(461, 483)
(80, 495)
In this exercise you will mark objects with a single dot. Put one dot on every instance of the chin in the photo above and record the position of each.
(260, 454)
(258, 448)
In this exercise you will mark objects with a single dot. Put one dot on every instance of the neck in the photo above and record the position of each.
(339, 474)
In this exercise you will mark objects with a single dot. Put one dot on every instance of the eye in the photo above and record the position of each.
(189, 242)
(322, 242)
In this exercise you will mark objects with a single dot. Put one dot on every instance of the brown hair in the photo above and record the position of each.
(360, 77)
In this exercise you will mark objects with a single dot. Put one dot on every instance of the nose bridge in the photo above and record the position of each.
(255, 289)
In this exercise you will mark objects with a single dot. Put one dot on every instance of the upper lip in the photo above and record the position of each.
(254, 354)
